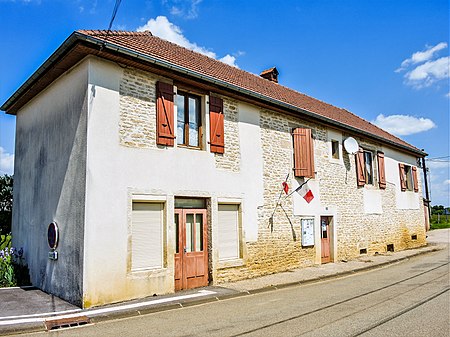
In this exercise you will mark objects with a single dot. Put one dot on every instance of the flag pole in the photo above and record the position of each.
(294, 236)
(279, 197)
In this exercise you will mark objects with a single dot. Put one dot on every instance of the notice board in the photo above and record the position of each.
(307, 232)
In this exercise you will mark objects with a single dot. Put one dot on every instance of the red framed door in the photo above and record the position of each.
(325, 238)
(191, 254)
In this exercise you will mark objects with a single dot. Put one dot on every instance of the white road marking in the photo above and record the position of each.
(60, 315)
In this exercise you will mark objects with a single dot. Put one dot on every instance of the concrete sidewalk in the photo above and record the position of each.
(29, 309)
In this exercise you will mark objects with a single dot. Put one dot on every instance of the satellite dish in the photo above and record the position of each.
(351, 145)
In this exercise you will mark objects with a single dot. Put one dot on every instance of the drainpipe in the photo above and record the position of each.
(427, 196)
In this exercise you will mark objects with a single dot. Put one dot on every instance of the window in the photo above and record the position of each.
(368, 167)
(408, 178)
(229, 232)
(334, 149)
(146, 235)
(189, 121)
(365, 168)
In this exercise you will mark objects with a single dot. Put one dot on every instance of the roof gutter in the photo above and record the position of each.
(74, 37)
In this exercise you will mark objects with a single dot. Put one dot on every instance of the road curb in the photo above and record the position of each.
(21, 328)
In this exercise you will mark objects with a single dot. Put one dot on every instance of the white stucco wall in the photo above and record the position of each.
(49, 183)
(404, 199)
(114, 172)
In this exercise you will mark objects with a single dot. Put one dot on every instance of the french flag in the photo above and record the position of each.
(305, 192)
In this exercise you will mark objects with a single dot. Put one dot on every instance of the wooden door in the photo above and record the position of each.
(325, 238)
(191, 255)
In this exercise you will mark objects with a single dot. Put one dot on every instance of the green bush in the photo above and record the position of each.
(12, 270)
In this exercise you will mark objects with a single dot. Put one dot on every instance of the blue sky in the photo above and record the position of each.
(386, 61)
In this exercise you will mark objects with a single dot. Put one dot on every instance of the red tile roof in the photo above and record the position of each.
(146, 44)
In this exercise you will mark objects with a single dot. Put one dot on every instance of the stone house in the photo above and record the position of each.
(161, 169)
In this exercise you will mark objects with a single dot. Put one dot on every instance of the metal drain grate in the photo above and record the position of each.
(62, 323)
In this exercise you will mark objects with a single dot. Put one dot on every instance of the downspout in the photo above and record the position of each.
(427, 195)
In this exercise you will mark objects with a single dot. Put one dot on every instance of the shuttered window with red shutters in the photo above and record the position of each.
(165, 133)
(381, 171)
(360, 176)
(401, 171)
(216, 125)
(303, 153)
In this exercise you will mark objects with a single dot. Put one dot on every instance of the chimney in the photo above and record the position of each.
(270, 74)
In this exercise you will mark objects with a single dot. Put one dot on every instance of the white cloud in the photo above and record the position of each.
(403, 125)
(437, 165)
(428, 73)
(423, 68)
(6, 162)
(166, 30)
(422, 56)
(439, 181)
(188, 9)
(230, 60)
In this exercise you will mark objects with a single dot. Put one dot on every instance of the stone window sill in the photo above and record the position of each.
(230, 264)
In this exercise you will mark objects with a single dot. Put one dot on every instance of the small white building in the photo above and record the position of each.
(163, 170)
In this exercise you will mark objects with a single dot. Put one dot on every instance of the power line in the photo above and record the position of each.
(444, 157)
(113, 16)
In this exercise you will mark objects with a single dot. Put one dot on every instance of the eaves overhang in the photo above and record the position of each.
(25, 91)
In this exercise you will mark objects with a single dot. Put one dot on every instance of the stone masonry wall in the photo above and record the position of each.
(278, 247)
(137, 126)
(279, 239)
(231, 158)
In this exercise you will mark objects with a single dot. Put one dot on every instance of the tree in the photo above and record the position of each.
(6, 201)
(437, 209)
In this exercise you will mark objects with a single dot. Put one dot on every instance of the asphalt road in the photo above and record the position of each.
(410, 298)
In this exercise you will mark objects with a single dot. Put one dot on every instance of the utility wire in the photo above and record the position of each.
(113, 16)
(116, 7)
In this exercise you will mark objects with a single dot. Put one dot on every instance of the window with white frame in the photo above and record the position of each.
(229, 232)
(408, 178)
(189, 119)
(147, 235)
(335, 149)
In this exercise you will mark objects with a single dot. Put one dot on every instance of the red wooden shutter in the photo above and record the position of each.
(401, 169)
(303, 153)
(216, 125)
(381, 171)
(360, 176)
(165, 133)
(415, 181)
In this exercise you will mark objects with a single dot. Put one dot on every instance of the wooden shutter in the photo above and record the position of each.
(401, 171)
(303, 153)
(415, 181)
(381, 171)
(360, 176)
(146, 235)
(165, 133)
(228, 232)
(216, 125)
